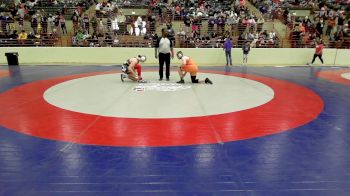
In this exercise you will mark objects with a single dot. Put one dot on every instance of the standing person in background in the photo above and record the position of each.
(319, 28)
(318, 51)
(86, 23)
(245, 49)
(163, 50)
(75, 21)
(63, 25)
(227, 48)
(44, 24)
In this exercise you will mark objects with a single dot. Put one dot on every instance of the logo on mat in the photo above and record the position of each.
(165, 87)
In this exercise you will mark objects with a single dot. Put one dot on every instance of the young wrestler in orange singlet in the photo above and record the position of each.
(189, 66)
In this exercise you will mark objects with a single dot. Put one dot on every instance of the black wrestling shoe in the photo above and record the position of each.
(207, 81)
(181, 82)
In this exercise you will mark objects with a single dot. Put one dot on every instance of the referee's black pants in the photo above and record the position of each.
(164, 58)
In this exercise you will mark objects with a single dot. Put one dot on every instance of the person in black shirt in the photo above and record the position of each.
(340, 23)
(319, 28)
(187, 22)
(245, 49)
(14, 35)
(171, 33)
(43, 22)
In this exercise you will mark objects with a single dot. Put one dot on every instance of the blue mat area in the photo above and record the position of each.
(309, 160)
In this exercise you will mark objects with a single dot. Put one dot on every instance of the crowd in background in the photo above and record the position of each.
(222, 19)
(328, 20)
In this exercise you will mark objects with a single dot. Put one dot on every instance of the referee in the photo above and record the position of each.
(164, 48)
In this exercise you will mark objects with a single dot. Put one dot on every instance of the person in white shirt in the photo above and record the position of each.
(272, 35)
(163, 50)
(144, 28)
(115, 26)
(137, 29)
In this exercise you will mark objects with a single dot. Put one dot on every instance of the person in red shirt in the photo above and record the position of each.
(318, 51)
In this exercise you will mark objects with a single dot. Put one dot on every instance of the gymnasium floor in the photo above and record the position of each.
(78, 130)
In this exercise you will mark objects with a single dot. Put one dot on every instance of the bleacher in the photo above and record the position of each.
(123, 39)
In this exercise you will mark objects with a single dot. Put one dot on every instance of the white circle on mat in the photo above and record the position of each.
(346, 76)
(106, 95)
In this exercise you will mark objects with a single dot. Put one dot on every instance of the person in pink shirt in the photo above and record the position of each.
(318, 51)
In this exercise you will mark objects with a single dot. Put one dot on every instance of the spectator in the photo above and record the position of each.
(171, 33)
(121, 17)
(20, 23)
(341, 20)
(115, 26)
(109, 24)
(227, 48)
(75, 21)
(330, 26)
(94, 23)
(51, 21)
(187, 22)
(86, 23)
(181, 34)
(307, 22)
(63, 25)
(22, 37)
(34, 23)
(13, 35)
(319, 28)
(245, 49)
(31, 36)
(101, 26)
(44, 23)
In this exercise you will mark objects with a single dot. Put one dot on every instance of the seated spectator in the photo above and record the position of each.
(250, 36)
(272, 35)
(13, 35)
(108, 39)
(182, 35)
(115, 41)
(264, 34)
(23, 35)
(31, 36)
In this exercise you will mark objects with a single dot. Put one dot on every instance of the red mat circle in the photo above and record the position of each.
(24, 110)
